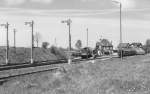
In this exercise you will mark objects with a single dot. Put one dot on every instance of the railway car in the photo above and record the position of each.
(86, 52)
(125, 50)
(130, 49)
(138, 48)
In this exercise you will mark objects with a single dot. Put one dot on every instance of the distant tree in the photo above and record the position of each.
(146, 47)
(59, 52)
(98, 44)
(45, 45)
(105, 42)
(148, 42)
(78, 44)
(37, 38)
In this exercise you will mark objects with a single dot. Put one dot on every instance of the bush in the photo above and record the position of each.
(146, 48)
(148, 42)
(45, 45)
(58, 52)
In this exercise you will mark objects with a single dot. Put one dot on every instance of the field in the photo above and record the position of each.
(129, 76)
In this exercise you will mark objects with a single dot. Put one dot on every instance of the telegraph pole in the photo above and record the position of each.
(15, 38)
(69, 25)
(87, 37)
(121, 29)
(7, 41)
(55, 42)
(120, 5)
(31, 24)
(69, 34)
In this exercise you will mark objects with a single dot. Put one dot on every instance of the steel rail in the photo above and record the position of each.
(28, 65)
(36, 65)
(6, 78)
(42, 63)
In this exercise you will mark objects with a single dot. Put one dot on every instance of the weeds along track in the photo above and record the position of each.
(11, 71)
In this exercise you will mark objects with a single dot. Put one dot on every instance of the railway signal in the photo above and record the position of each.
(120, 5)
(7, 41)
(31, 24)
(68, 21)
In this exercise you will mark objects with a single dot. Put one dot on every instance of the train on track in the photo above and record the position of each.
(124, 49)
(103, 47)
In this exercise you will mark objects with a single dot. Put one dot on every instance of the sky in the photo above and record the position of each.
(101, 17)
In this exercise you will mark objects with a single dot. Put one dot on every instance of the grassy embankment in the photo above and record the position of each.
(130, 76)
(22, 55)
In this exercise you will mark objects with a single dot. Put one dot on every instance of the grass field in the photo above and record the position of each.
(130, 76)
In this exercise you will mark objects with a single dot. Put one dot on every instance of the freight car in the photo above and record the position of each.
(130, 49)
(86, 52)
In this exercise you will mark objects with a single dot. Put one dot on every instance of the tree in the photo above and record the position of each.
(78, 44)
(45, 45)
(59, 52)
(105, 42)
(37, 38)
(148, 42)
(98, 44)
(147, 46)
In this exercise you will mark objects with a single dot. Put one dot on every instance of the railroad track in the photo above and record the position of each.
(42, 63)
(27, 65)
(6, 78)
(52, 65)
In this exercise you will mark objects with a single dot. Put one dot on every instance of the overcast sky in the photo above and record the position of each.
(100, 16)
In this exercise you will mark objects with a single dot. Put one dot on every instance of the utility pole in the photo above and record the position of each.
(55, 42)
(7, 41)
(69, 25)
(121, 29)
(15, 38)
(31, 24)
(87, 37)
(120, 6)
